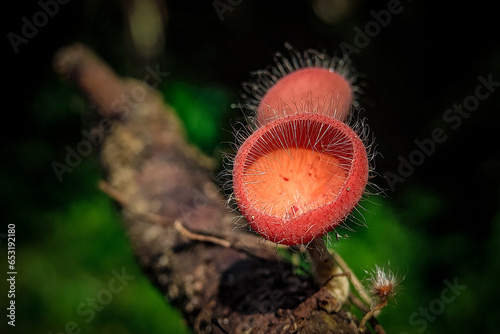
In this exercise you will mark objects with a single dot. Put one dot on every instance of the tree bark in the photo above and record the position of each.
(183, 235)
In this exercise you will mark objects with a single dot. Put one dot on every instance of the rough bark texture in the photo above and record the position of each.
(176, 219)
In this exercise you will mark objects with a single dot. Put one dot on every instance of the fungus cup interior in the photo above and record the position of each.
(297, 177)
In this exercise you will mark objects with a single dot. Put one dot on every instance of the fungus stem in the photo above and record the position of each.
(352, 277)
(327, 272)
(370, 314)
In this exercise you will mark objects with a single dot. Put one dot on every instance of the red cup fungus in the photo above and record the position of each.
(299, 177)
(329, 93)
(303, 170)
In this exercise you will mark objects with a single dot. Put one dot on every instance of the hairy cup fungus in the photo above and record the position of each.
(298, 177)
(314, 89)
(308, 82)
(303, 170)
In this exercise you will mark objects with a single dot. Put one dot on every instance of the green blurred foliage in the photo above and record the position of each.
(202, 111)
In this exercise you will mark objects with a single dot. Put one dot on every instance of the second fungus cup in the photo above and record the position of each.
(298, 177)
(303, 170)
(317, 89)
(308, 82)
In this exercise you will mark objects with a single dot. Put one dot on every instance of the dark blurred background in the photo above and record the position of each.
(439, 225)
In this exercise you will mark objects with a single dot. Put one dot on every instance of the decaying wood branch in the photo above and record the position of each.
(177, 222)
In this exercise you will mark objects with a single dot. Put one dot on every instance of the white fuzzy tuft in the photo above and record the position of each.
(383, 284)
